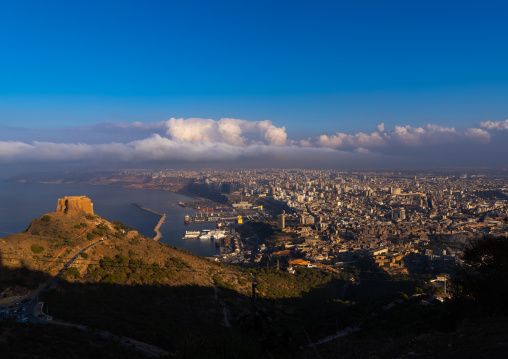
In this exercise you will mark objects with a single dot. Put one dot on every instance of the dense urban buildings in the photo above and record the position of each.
(402, 221)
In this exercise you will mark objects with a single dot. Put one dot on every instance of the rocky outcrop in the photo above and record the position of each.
(75, 205)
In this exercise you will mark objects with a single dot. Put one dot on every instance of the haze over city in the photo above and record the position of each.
(286, 84)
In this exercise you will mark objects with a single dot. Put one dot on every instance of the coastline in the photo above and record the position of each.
(131, 185)
(110, 202)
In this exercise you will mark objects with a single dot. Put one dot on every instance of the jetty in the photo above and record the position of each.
(158, 234)
(156, 230)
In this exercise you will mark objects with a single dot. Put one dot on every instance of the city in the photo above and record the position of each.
(416, 222)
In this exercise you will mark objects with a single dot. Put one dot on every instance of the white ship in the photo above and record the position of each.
(205, 234)
(192, 234)
(212, 234)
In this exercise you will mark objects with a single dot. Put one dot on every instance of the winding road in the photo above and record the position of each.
(34, 308)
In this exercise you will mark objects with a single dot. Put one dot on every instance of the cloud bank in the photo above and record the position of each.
(227, 130)
(404, 136)
(244, 143)
(495, 125)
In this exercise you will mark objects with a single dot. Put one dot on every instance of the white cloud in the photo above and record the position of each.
(205, 140)
(357, 140)
(478, 134)
(163, 150)
(495, 125)
(405, 136)
(275, 136)
(417, 136)
(227, 130)
(305, 143)
(9, 149)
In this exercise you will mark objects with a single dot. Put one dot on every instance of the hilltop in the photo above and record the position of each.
(56, 236)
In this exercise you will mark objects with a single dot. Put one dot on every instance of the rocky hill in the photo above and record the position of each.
(57, 236)
(131, 285)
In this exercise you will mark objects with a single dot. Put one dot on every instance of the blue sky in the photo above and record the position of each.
(313, 68)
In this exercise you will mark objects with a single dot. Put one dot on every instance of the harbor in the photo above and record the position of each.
(206, 226)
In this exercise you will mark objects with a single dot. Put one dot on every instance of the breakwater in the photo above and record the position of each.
(156, 230)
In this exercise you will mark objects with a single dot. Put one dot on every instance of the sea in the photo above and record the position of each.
(22, 202)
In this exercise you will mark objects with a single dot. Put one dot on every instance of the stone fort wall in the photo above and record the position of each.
(75, 204)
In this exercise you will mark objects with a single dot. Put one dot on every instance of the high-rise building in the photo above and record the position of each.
(281, 221)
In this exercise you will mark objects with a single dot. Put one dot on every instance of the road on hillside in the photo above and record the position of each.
(32, 305)
(145, 348)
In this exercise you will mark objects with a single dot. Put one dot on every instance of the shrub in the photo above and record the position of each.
(36, 249)
(46, 218)
(64, 236)
(118, 225)
(98, 232)
(73, 272)
(84, 255)
(70, 243)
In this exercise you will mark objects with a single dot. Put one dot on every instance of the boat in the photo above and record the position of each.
(181, 204)
(187, 219)
(205, 234)
(212, 234)
(191, 234)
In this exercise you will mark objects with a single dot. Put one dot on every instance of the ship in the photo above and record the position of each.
(181, 204)
(187, 219)
(191, 234)
(205, 234)
(212, 234)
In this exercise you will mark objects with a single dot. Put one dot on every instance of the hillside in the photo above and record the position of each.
(131, 285)
(191, 307)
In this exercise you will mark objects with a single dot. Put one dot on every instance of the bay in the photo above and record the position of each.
(22, 202)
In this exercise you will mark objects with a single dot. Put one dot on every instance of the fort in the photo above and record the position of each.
(75, 204)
